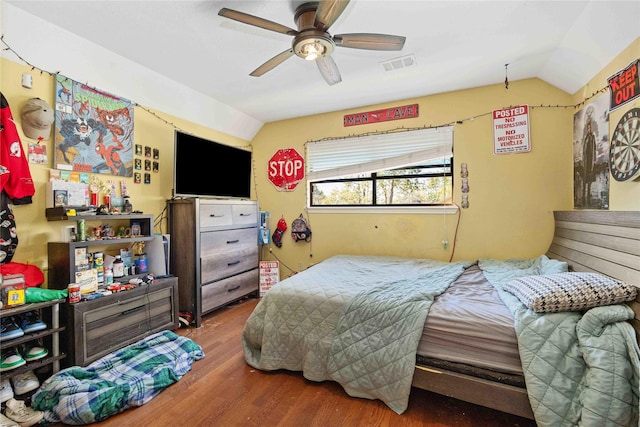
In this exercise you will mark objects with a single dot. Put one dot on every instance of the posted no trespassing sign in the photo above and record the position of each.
(511, 130)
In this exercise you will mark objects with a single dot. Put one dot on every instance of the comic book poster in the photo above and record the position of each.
(93, 130)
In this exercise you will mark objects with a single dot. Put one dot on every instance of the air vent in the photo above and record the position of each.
(397, 63)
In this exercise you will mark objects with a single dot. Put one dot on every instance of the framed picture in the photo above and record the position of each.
(147, 151)
(156, 154)
(137, 177)
(60, 197)
(138, 164)
(147, 165)
(156, 166)
(147, 178)
(138, 150)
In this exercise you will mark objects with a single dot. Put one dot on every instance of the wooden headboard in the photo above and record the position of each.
(606, 242)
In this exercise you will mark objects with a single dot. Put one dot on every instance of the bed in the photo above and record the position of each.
(381, 325)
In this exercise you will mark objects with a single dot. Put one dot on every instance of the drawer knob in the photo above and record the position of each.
(233, 289)
(232, 241)
(233, 263)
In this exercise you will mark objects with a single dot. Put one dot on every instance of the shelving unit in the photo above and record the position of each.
(49, 312)
(62, 255)
(97, 327)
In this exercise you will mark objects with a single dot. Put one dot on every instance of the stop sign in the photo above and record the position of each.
(286, 169)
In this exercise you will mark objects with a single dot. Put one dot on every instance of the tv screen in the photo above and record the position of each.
(205, 168)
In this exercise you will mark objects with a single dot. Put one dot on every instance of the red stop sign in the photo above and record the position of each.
(286, 169)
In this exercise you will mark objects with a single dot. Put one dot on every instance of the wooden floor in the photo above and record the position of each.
(222, 390)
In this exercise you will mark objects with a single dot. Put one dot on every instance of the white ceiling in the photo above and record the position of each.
(455, 45)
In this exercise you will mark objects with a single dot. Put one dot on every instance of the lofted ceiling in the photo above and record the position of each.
(450, 45)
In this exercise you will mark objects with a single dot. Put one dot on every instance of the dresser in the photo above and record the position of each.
(98, 327)
(214, 252)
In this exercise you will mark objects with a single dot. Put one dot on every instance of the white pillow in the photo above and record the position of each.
(569, 291)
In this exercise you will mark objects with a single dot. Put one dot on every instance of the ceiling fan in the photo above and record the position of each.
(312, 40)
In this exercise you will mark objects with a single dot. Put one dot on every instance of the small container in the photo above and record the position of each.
(118, 267)
(98, 265)
(73, 293)
(81, 232)
(127, 207)
(141, 263)
(108, 277)
(13, 286)
(135, 229)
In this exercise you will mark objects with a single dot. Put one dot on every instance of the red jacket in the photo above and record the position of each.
(15, 176)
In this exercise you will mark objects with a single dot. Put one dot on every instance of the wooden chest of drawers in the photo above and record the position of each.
(98, 327)
(214, 251)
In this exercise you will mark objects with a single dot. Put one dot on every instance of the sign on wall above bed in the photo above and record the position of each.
(93, 130)
(624, 85)
(511, 130)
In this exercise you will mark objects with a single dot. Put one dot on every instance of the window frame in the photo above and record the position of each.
(435, 153)
(374, 178)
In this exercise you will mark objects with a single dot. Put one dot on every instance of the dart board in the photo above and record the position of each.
(624, 151)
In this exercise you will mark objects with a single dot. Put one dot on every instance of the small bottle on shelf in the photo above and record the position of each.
(108, 277)
(118, 267)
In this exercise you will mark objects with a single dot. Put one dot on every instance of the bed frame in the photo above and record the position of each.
(607, 242)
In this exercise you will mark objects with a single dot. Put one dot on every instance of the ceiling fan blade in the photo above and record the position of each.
(256, 21)
(370, 41)
(329, 70)
(328, 12)
(272, 63)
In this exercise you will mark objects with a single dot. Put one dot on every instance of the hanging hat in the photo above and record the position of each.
(37, 117)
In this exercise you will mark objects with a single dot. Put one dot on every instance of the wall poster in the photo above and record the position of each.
(591, 156)
(93, 130)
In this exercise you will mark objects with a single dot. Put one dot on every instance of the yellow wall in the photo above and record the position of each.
(155, 130)
(512, 196)
(623, 196)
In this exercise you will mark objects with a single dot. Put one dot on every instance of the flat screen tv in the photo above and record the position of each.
(204, 168)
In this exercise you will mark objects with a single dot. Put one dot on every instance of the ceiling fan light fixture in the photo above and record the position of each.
(313, 47)
(311, 50)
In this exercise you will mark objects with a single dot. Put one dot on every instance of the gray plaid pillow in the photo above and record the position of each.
(552, 293)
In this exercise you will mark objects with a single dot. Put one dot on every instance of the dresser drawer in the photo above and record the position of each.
(245, 214)
(215, 215)
(213, 242)
(113, 326)
(221, 265)
(221, 292)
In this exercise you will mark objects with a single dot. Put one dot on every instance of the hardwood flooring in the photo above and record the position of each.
(222, 390)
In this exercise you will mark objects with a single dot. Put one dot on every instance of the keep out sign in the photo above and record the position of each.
(286, 169)
(624, 85)
(511, 130)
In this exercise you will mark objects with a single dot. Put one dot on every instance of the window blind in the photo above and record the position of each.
(367, 154)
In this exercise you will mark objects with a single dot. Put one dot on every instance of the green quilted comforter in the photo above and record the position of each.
(581, 369)
(351, 319)
(357, 320)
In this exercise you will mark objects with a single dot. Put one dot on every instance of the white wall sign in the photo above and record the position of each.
(269, 275)
(511, 130)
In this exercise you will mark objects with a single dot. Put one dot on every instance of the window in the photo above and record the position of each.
(404, 168)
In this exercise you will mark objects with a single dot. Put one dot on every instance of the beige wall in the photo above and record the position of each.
(512, 196)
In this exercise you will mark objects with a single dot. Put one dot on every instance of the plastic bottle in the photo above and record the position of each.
(118, 267)
(108, 277)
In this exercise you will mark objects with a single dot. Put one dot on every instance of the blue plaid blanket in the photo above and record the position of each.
(126, 378)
